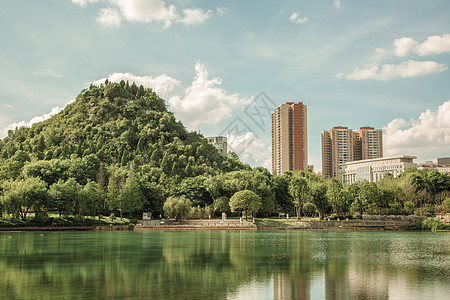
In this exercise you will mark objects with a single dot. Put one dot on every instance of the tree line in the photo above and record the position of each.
(117, 149)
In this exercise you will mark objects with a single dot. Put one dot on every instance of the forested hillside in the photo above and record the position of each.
(117, 149)
(115, 134)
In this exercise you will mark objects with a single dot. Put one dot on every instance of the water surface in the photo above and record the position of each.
(225, 265)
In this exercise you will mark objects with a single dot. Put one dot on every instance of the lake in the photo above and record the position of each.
(225, 265)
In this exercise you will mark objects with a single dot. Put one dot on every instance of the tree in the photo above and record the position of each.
(177, 207)
(245, 201)
(319, 197)
(87, 199)
(130, 198)
(281, 193)
(300, 192)
(22, 195)
(64, 195)
(336, 196)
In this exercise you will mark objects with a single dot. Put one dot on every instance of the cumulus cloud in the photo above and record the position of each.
(162, 84)
(410, 68)
(204, 101)
(295, 18)
(146, 11)
(195, 16)
(427, 137)
(404, 45)
(55, 110)
(109, 17)
(249, 149)
(432, 45)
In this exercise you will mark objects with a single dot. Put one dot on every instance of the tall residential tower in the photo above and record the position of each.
(341, 145)
(289, 138)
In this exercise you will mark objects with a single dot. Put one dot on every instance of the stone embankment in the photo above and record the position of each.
(194, 225)
(367, 223)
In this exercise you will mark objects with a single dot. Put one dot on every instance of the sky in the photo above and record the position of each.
(222, 66)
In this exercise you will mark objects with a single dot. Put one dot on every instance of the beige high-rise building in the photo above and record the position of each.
(337, 148)
(341, 145)
(371, 143)
(289, 138)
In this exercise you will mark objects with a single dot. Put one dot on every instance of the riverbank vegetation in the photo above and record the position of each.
(118, 150)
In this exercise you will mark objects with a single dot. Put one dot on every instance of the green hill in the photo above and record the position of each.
(112, 130)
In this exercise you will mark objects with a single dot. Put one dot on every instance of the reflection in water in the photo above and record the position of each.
(225, 265)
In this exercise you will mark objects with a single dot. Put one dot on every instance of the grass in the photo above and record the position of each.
(66, 220)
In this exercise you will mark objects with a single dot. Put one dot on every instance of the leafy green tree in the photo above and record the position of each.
(336, 196)
(245, 201)
(177, 207)
(222, 204)
(300, 192)
(130, 198)
(281, 192)
(22, 195)
(87, 199)
(319, 197)
(64, 195)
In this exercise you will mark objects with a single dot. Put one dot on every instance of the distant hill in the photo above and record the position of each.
(118, 124)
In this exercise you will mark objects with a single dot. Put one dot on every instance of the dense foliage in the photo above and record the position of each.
(117, 141)
(117, 149)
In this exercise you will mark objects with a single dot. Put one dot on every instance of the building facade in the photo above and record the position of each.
(289, 138)
(220, 143)
(341, 145)
(373, 170)
(443, 161)
(370, 143)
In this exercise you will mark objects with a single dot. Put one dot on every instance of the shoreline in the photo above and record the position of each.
(233, 225)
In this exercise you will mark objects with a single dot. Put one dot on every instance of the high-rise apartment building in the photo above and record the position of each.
(371, 143)
(289, 138)
(341, 145)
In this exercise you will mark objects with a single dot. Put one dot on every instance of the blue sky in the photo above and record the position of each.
(353, 63)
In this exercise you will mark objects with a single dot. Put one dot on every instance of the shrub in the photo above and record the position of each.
(434, 224)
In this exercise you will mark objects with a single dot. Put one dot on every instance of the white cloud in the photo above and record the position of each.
(428, 137)
(410, 68)
(337, 4)
(204, 101)
(434, 45)
(55, 110)
(404, 45)
(8, 106)
(162, 84)
(147, 11)
(249, 149)
(84, 2)
(295, 18)
(195, 16)
(109, 17)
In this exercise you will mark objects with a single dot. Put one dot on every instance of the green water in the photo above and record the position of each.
(225, 265)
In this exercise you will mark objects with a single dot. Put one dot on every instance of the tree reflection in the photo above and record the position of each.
(219, 264)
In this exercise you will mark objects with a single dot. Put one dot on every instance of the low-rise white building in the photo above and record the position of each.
(220, 143)
(373, 170)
